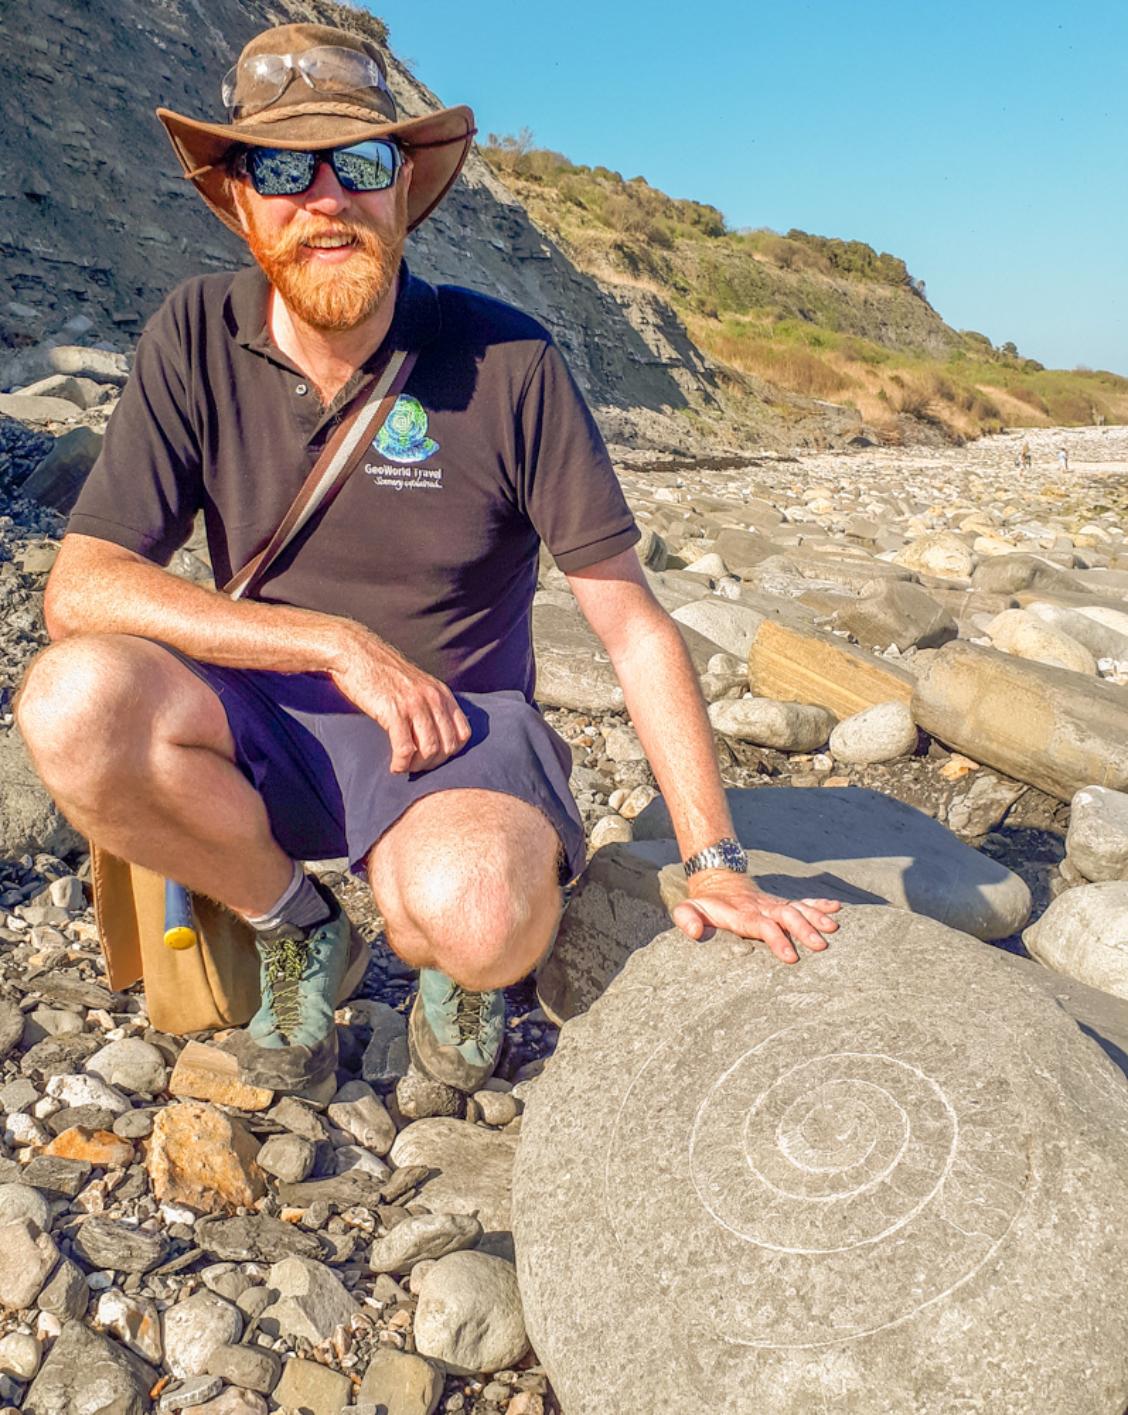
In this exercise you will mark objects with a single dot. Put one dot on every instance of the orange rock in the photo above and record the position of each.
(205, 1073)
(98, 1147)
(203, 1158)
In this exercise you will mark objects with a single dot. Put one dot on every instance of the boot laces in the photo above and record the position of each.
(285, 960)
(470, 1015)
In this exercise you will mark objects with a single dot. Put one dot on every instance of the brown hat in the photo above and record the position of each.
(278, 102)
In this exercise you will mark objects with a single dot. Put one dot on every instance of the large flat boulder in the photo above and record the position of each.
(879, 845)
(1046, 726)
(872, 1181)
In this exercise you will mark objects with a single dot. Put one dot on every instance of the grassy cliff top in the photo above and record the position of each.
(807, 315)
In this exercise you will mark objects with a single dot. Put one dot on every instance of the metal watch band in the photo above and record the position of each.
(726, 854)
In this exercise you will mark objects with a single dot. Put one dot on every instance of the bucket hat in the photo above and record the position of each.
(305, 118)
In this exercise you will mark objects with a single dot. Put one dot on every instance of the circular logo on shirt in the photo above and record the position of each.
(403, 438)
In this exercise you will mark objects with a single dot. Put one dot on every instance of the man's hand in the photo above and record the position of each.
(725, 900)
(423, 721)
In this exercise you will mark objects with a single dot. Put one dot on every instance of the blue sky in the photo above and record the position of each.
(986, 144)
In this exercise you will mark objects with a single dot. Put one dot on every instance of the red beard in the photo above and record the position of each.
(330, 297)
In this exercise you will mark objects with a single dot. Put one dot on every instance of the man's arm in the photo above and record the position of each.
(647, 650)
(97, 587)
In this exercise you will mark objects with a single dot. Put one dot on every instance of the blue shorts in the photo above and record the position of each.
(322, 767)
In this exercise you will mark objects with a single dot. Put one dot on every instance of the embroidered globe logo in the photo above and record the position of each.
(403, 438)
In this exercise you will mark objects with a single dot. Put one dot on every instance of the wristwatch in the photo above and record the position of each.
(726, 854)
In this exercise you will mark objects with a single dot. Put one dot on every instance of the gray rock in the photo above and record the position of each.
(66, 1294)
(358, 1111)
(55, 1175)
(1097, 842)
(58, 478)
(401, 1384)
(131, 1064)
(876, 843)
(89, 1374)
(193, 1328)
(475, 1168)
(1084, 934)
(29, 820)
(249, 1367)
(191, 1393)
(30, 409)
(896, 612)
(418, 1097)
(299, 1119)
(252, 1238)
(420, 1237)
(59, 385)
(19, 1355)
(1052, 728)
(102, 365)
(727, 623)
(19, 1201)
(1102, 640)
(1008, 574)
(105, 1243)
(469, 1316)
(385, 1057)
(573, 670)
(1017, 632)
(11, 1030)
(876, 734)
(789, 727)
(311, 1303)
(27, 1259)
(287, 1157)
(984, 805)
(858, 1181)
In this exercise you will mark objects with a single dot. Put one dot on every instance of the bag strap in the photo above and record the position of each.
(332, 469)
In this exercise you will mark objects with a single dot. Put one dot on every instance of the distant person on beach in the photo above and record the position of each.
(1025, 458)
(371, 695)
(1063, 459)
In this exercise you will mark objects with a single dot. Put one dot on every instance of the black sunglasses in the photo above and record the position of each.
(278, 172)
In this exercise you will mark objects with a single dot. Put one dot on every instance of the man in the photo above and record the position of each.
(374, 696)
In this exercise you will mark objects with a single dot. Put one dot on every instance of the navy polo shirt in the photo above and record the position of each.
(433, 541)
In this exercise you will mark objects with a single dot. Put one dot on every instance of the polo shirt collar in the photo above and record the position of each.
(415, 321)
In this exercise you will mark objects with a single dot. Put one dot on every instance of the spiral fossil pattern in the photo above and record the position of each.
(851, 1161)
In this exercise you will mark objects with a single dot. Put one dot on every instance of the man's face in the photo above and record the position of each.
(329, 287)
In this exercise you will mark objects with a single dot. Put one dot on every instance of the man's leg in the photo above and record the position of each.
(468, 884)
(137, 751)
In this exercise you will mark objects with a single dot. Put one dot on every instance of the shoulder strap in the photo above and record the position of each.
(332, 469)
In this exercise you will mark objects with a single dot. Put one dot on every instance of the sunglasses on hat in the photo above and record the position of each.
(255, 82)
(370, 166)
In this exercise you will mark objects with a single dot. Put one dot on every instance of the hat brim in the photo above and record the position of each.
(438, 144)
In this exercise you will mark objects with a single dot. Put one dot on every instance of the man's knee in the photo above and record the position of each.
(484, 912)
(82, 707)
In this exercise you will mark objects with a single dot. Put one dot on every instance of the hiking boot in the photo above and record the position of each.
(454, 1035)
(290, 1044)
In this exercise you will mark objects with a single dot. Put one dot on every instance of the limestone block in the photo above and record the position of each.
(876, 734)
(1084, 934)
(864, 1182)
(742, 550)
(1009, 574)
(27, 408)
(471, 1168)
(808, 667)
(58, 478)
(726, 622)
(1102, 640)
(1097, 842)
(1046, 726)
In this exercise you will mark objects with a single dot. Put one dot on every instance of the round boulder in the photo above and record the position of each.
(877, 734)
(851, 1183)
(789, 727)
(1084, 933)
(1097, 842)
(469, 1315)
(1026, 636)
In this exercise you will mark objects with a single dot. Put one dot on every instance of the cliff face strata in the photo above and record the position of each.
(95, 219)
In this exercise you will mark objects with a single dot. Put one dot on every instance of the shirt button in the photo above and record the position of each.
(302, 389)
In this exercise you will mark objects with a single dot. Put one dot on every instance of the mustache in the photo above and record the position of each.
(288, 242)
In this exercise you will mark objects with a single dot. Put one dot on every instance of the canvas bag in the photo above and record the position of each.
(216, 983)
